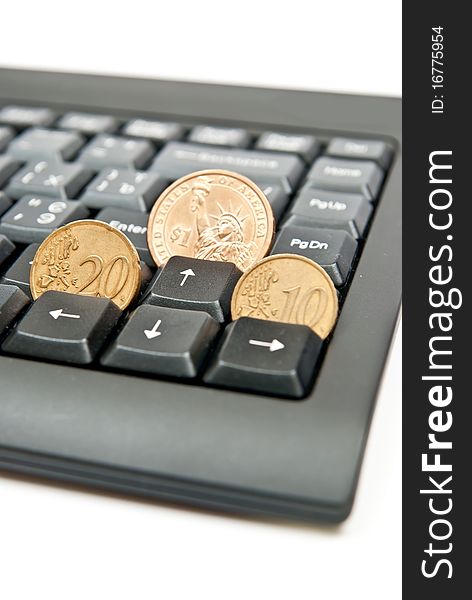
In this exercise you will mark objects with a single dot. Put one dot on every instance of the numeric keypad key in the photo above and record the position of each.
(6, 248)
(123, 188)
(33, 218)
(12, 302)
(49, 178)
(5, 203)
(6, 135)
(8, 166)
(45, 143)
(19, 272)
(113, 151)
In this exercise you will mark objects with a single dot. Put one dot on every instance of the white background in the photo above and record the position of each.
(65, 544)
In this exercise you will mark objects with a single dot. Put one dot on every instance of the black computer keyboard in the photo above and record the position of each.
(65, 159)
(62, 167)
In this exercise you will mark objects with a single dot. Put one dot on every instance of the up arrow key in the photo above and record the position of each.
(187, 273)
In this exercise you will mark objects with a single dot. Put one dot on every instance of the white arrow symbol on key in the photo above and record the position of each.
(273, 346)
(55, 314)
(186, 275)
(153, 333)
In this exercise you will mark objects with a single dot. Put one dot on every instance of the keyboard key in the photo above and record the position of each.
(44, 143)
(136, 190)
(33, 218)
(350, 176)
(49, 178)
(87, 123)
(220, 136)
(6, 135)
(195, 284)
(333, 250)
(320, 208)
(307, 146)
(264, 356)
(179, 158)
(147, 273)
(155, 131)
(163, 341)
(376, 150)
(5, 203)
(276, 195)
(6, 249)
(8, 166)
(19, 273)
(23, 116)
(113, 151)
(133, 224)
(64, 327)
(12, 302)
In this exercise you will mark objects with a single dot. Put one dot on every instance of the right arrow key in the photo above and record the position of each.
(264, 356)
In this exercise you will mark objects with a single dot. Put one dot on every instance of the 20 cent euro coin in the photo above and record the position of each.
(89, 258)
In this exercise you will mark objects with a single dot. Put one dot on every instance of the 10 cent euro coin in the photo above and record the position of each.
(289, 289)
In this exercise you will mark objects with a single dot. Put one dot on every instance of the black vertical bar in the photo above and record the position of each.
(436, 120)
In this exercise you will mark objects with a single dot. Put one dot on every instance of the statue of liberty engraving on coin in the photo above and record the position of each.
(212, 215)
(223, 240)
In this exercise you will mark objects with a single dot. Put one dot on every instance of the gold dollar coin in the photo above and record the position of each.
(89, 258)
(290, 289)
(213, 215)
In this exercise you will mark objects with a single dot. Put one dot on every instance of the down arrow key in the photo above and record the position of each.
(153, 333)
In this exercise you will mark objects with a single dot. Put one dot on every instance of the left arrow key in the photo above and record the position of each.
(55, 314)
(74, 334)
